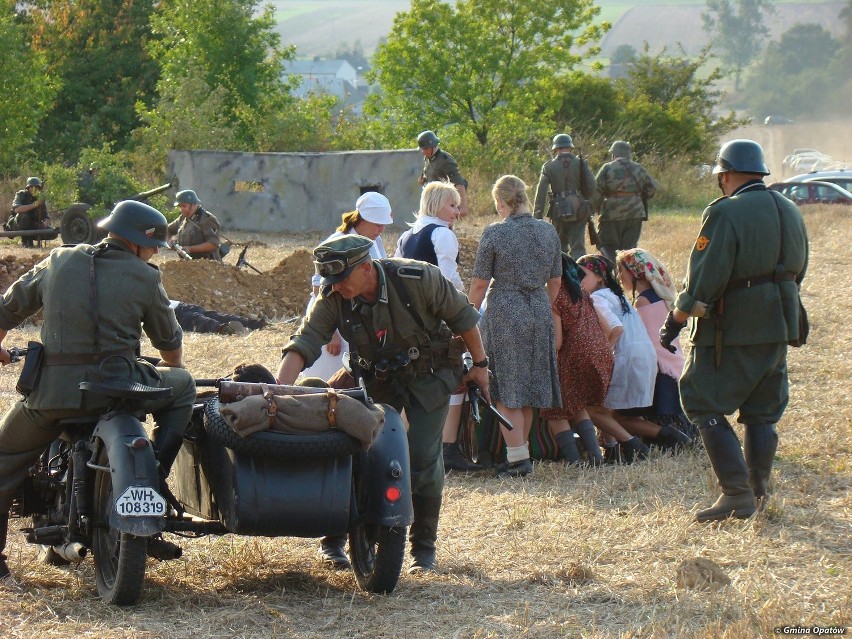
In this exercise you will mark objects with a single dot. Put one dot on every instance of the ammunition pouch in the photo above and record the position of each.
(569, 206)
(394, 361)
(31, 370)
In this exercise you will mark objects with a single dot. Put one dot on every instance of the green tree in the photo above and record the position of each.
(26, 90)
(738, 30)
(232, 47)
(97, 49)
(623, 54)
(477, 63)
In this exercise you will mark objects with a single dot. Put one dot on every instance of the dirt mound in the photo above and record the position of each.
(277, 294)
(12, 267)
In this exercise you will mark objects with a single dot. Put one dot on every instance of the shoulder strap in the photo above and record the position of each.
(781, 225)
(630, 172)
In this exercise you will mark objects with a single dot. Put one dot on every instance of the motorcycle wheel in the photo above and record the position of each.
(120, 558)
(377, 553)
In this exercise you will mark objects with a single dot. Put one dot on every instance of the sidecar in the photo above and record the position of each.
(279, 484)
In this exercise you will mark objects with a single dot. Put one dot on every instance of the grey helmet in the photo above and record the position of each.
(34, 181)
(138, 223)
(742, 156)
(427, 140)
(186, 197)
(620, 149)
(562, 141)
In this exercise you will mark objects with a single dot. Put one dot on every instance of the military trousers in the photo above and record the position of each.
(750, 378)
(25, 432)
(572, 236)
(618, 235)
(425, 446)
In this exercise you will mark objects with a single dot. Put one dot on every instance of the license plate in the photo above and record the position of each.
(140, 501)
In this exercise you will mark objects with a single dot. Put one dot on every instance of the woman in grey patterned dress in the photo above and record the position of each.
(524, 257)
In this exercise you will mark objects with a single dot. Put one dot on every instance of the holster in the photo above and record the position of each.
(31, 370)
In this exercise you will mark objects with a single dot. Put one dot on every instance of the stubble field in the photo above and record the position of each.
(565, 553)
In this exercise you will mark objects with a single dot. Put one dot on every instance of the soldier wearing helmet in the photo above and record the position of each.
(440, 165)
(742, 289)
(116, 297)
(29, 211)
(624, 188)
(196, 230)
(569, 176)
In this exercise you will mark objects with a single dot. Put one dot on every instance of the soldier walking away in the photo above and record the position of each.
(29, 211)
(196, 230)
(624, 188)
(742, 288)
(440, 165)
(566, 176)
(97, 334)
(400, 318)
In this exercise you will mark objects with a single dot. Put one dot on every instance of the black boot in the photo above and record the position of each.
(4, 528)
(726, 456)
(633, 449)
(424, 532)
(454, 459)
(589, 438)
(760, 444)
(568, 447)
(333, 552)
(671, 438)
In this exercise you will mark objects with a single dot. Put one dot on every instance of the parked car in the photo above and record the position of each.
(813, 192)
(842, 178)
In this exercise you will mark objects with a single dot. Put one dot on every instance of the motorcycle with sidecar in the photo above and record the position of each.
(97, 488)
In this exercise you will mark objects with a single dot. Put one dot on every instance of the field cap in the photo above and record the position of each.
(335, 259)
(374, 207)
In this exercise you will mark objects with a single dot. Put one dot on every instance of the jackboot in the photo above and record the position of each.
(589, 438)
(167, 444)
(333, 552)
(424, 532)
(634, 449)
(726, 457)
(568, 447)
(4, 529)
(454, 459)
(760, 444)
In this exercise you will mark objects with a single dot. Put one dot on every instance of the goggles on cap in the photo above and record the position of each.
(338, 265)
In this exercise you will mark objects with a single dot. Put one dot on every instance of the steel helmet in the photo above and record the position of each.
(138, 223)
(427, 140)
(186, 197)
(34, 181)
(742, 156)
(562, 141)
(621, 149)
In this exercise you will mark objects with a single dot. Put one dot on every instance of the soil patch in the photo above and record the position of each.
(13, 266)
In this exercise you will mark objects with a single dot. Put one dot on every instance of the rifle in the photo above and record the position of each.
(474, 394)
(594, 238)
(241, 261)
(177, 248)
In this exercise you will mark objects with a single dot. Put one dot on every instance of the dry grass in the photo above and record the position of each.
(566, 553)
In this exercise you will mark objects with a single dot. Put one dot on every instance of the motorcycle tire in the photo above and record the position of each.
(377, 554)
(328, 445)
(120, 558)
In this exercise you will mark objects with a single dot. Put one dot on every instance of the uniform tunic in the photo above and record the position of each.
(442, 166)
(424, 395)
(621, 184)
(554, 180)
(198, 228)
(740, 237)
(520, 254)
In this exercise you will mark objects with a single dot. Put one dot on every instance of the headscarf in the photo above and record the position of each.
(599, 265)
(571, 276)
(645, 266)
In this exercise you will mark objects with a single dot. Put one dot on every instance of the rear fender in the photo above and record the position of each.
(129, 467)
(386, 466)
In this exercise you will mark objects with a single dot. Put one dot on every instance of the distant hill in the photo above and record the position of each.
(320, 27)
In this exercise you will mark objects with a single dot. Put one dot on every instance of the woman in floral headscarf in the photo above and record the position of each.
(649, 284)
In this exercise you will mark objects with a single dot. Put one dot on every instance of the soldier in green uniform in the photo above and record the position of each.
(116, 295)
(399, 317)
(742, 286)
(566, 173)
(29, 210)
(624, 188)
(440, 165)
(196, 231)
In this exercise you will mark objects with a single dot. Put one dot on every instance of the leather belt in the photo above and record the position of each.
(622, 194)
(748, 282)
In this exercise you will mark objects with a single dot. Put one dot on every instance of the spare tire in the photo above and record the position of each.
(328, 445)
(77, 227)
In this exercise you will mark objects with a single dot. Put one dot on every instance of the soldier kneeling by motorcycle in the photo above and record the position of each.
(116, 295)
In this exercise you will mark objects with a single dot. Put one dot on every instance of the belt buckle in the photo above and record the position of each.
(413, 353)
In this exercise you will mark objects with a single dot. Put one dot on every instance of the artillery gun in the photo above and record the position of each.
(78, 226)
